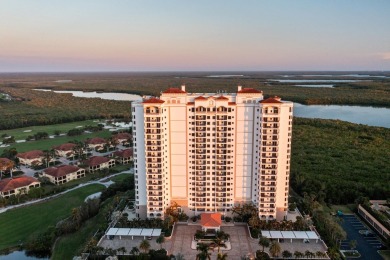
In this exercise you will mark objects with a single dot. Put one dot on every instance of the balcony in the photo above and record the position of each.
(268, 184)
(153, 137)
(153, 131)
(155, 193)
(198, 194)
(270, 119)
(268, 189)
(154, 166)
(200, 123)
(153, 149)
(154, 198)
(152, 111)
(153, 188)
(152, 119)
(200, 140)
(153, 143)
(200, 128)
(153, 160)
(153, 154)
(221, 140)
(155, 182)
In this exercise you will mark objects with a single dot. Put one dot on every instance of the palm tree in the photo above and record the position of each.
(221, 256)
(160, 240)
(307, 253)
(122, 249)
(145, 245)
(48, 155)
(264, 242)
(298, 255)
(352, 244)
(286, 254)
(204, 251)
(275, 248)
(220, 238)
(134, 250)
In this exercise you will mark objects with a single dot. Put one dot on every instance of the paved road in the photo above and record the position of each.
(102, 181)
(367, 246)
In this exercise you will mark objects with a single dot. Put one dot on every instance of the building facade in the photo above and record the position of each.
(211, 151)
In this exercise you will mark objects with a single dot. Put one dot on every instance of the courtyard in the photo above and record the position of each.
(180, 242)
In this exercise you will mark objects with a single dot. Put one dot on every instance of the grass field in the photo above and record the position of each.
(119, 177)
(49, 143)
(346, 209)
(17, 225)
(20, 134)
(72, 244)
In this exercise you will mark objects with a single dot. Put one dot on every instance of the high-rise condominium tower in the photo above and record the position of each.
(210, 151)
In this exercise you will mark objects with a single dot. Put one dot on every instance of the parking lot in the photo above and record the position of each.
(367, 244)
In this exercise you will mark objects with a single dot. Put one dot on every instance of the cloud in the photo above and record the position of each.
(385, 55)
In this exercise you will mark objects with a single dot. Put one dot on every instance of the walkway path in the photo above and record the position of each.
(102, 181)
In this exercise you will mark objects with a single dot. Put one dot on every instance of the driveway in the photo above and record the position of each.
(367, 246)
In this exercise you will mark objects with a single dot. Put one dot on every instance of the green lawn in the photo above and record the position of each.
(70, 245)
(19, 224)
(19, 133)
(49, 143)
(346, 209)
(119, 177)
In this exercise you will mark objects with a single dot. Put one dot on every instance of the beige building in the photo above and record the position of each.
(210, 151)
(65, 150)
(96, 163)
(17, 185)
(64, 173)
(31, 158)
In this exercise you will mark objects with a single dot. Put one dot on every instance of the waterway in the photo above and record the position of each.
(371, 116)
(19, 255)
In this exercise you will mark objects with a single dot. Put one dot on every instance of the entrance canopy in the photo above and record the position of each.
(304, 235)
(134, 232)
(210, 221)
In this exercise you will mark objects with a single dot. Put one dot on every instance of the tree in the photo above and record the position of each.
(204, 251)
(134, 250)
(144, 245)
(286, 254)
(275, 248)
(264, 242)
(221, 256)
(353, 244)
(160, 240)
(298, 254)
(220, 238)
(6, 165)
(122, 250)
(48, 156)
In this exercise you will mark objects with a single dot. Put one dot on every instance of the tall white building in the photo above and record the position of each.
(210, 151)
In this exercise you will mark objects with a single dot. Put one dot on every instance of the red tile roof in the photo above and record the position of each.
(221, 98)
(190, 103)
(271, 100)
(124, 153)
(174, 90)
(153, 100)
(249, 90)
(210, 219)
(31, 154)
(65, 147)
(62, 170)
(200, 98)
(123, 136)
(17, 182)
(231, 103)
(96, 140)
(96, 160)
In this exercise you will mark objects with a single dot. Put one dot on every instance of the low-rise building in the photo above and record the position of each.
(17, 185)
(31, 158)
(64, 173)
(124, 156)
(96, 163)
(65, 150)
(123, 138)
(96, 143)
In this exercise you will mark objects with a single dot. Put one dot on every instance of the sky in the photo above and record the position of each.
(183, 35)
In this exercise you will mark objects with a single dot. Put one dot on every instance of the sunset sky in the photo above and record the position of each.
(97, 35)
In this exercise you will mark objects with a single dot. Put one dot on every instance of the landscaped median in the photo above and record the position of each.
(18, 225)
